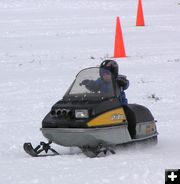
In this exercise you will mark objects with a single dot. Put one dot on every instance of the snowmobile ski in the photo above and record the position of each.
(35, 152)
(97, 151)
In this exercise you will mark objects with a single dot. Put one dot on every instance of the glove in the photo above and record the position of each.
(121, 82)
(84, 82)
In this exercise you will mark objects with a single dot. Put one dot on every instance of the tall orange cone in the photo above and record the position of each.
(140, 15)
(119, 50)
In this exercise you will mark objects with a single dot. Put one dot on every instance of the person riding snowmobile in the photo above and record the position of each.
(108, 68)
(102, 85)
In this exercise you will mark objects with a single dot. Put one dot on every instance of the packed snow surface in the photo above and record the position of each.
(44, 44)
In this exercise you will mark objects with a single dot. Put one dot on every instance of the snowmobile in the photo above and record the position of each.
(94, 120)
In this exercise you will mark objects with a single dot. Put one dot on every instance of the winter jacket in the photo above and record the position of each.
(99, 85)
(106, 87)
(122, 84)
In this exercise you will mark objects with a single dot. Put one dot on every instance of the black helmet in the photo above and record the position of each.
(110, 65)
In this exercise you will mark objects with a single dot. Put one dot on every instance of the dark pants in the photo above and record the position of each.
(122, 98)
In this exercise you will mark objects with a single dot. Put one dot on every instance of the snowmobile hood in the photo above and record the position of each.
(64, 114)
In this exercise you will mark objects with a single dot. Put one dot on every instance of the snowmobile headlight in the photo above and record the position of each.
(81, 113)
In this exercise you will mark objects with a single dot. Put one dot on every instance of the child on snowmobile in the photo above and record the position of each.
(108, 68)
(101, 85)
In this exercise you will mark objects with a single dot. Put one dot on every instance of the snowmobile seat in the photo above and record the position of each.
(136, 114)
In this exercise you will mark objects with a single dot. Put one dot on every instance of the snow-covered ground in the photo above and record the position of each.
(44, 43)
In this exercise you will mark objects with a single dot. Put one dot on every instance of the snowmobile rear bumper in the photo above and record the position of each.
(92, 136)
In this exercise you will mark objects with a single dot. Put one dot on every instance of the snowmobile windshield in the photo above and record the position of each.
(92, 83)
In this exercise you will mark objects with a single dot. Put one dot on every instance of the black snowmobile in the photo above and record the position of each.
(94, 120)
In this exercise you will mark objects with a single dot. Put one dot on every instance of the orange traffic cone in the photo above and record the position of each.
(140, 16)
(119, 50)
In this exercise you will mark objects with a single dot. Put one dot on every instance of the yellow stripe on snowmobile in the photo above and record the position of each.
(113, 117)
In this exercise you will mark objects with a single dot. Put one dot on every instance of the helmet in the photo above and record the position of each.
(110, 65)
